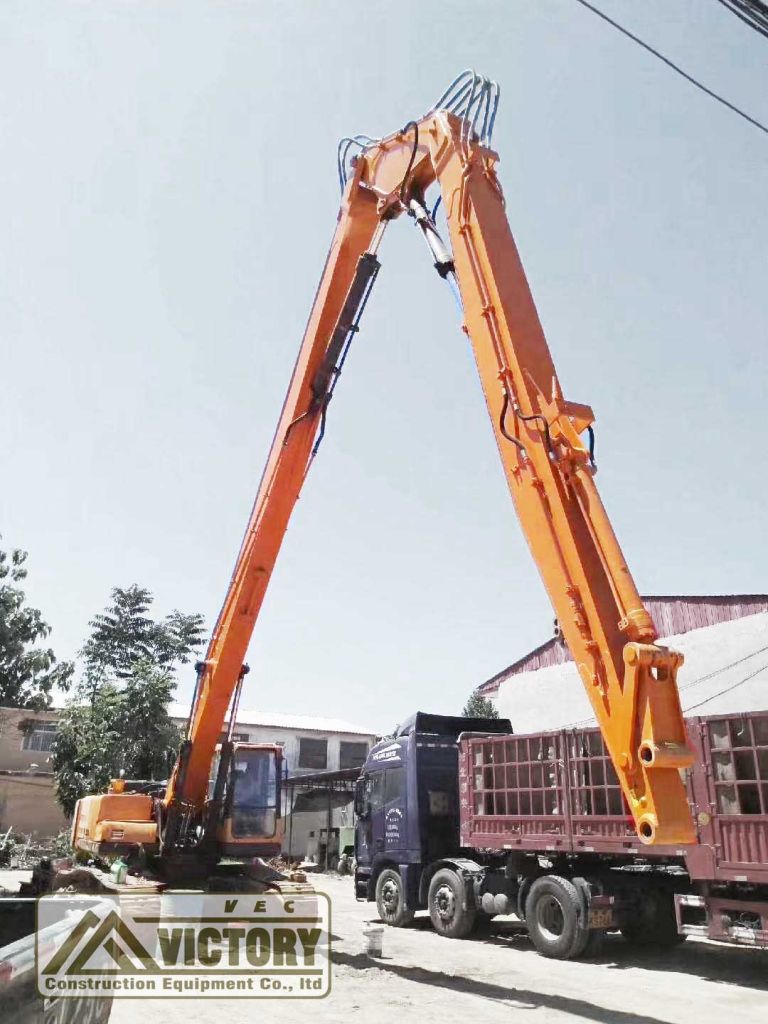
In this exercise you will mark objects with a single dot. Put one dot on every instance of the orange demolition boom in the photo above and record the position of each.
(631, 682)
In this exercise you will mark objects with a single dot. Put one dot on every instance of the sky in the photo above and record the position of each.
(167, 197)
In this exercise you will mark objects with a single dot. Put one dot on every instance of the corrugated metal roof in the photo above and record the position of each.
(673, 614)
(278, 720)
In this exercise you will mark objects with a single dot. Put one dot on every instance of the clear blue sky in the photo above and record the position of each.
(167, 196)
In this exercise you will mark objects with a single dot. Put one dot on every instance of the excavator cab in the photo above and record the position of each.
(250, 775)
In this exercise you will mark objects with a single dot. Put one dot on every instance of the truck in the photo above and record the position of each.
(468, 820)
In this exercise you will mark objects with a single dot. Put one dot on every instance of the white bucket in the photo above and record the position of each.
(373, 934)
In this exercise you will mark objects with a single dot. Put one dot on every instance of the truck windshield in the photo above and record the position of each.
(254, 800)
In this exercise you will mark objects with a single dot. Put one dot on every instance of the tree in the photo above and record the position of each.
(89, 746)
(153, 739)
(28, 673)
(124, 635)
(118, 718)
(116, 729)
(479, 706)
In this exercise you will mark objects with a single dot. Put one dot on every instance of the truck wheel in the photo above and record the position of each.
(390, 899)
(654, 922)
(446, 906)
(555, 918)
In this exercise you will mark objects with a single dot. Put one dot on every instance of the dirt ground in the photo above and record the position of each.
(492, 978)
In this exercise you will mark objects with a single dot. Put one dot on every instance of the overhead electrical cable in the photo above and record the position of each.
(752, 12)
(701, 703)
(669, 63)
(695, 682)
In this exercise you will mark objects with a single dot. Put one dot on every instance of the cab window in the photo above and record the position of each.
(254, 800)
(385, 787)
(394, 785)
(374, 791)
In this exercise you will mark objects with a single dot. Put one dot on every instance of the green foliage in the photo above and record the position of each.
(479, 706)
(118, 720)
(28, 673)
(124, 635)
(153, 740)
(115, 728)
(88, 750)
(61, 844)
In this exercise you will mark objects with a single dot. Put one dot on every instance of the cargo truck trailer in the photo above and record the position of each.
(468, 821)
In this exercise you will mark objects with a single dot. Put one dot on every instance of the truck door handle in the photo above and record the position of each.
(379, 844)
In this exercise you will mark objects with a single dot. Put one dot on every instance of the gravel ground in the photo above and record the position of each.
(492, 978)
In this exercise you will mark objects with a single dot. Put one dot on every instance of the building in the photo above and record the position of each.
(27, 793)
(724, 640)
(309, 744)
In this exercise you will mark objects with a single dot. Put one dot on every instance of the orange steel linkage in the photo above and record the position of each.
(630, 681)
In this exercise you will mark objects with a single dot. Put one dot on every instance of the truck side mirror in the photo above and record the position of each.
(361, 804)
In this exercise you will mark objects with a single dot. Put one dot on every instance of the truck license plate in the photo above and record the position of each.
(601, 918)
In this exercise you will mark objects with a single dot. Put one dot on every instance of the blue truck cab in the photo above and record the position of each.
(407, 807)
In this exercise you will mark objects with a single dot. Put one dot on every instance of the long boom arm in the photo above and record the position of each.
(630, 681)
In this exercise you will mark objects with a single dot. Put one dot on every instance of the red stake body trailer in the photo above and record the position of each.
(555, 797)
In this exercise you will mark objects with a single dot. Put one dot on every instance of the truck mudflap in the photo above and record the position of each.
(363, 888)
(410, 874)
(725, 919)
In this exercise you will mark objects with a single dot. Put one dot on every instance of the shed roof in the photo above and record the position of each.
(279, 720)
(725, 672)
(673, 614)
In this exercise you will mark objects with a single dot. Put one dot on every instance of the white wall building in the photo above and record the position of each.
(309, 744)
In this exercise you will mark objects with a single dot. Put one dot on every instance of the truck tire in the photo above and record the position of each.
(554, 915)
(654, 923)
(450, 917)
(590, 945)
(390, 899)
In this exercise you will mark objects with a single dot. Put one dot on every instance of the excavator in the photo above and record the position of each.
(223, 800)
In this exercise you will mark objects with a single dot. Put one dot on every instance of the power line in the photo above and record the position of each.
(674, 67)
(752, 12)
(717, 671)
(728, 689)
(695, 682)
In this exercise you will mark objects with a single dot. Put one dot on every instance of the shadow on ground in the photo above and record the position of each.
(730, 965)
(719, 962)
(518, 998)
